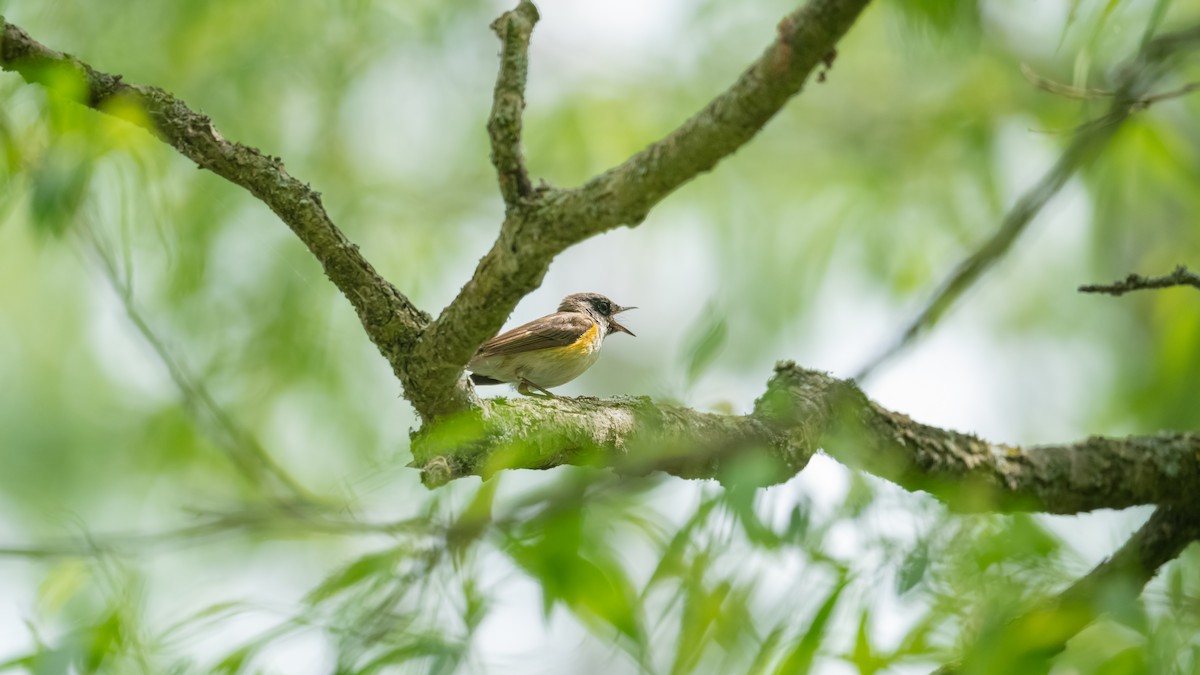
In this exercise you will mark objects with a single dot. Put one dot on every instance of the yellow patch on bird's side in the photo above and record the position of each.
(587, 341)
(585, 344)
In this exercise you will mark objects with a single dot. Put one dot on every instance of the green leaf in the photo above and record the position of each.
(476, 605)
(26, 662)
(672, 563)
(61, 584)
(59, 186)
(802, 656)
(864, 656)
(235, 660)
(944, 18)
(606, 593)
(1131, 661)
(105, 639)
(590, 589)
(912, 570)
(220, 610)
(381, 563)
(766, 652)
(709, 335)
(445, 655)
(473, 521)
(740, 500)
(859, 496)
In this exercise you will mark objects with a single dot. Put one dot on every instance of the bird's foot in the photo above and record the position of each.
(524, 389)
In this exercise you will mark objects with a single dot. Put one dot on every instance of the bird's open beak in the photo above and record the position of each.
(616, 327)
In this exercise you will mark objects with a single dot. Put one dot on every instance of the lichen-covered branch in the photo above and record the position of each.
(803, 411)
(390, 319)
(1136, 282)
(804, 40)
(632, 435)
(538, 229)
(1131, 95)
(1036, 636)
(508, 102)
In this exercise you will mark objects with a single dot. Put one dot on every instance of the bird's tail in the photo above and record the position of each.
(483, 379)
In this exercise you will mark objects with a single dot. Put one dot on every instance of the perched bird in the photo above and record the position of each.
(552, 350)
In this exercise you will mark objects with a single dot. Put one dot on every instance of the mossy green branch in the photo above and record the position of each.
(537, 229)
(804, 411)
(514, 28)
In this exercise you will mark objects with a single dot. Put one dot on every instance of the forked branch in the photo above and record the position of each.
(533, 235)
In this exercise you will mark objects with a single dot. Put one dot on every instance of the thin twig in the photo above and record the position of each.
(531, 237)
(1060, 89)
(1128, 98)
(251, 459)
(278, 518)
(1172, 93)
(514, 29)
(1136, 282)
(1069, 91)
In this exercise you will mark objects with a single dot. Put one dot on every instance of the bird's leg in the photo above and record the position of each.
(525, 385)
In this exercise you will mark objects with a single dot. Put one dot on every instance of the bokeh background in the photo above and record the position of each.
(156, 320)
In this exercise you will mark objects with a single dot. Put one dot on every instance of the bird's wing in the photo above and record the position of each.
(554, 330)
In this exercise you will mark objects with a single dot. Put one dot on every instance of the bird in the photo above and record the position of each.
(552, 350)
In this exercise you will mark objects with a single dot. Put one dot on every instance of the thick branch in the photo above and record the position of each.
(802, 411)
(508, 104)
(536, 231)
(391, 321)
(1030, 640)
(1136, 282)
(1131, 96)
(804, 40)
(633, 435)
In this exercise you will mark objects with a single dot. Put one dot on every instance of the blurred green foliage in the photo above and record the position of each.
(159, 328)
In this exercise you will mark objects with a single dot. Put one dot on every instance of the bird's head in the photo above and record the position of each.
(598, 307)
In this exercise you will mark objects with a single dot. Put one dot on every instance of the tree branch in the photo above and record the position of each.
(633, 435)
(508, 105)
(537, 230)
(801, 411)
(1136, 282)
(624, 195)
(390, 319)
(1131, 96)
(1030, 640)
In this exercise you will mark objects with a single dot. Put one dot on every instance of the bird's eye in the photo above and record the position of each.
(604, 306)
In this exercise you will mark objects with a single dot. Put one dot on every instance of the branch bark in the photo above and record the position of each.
(514, 29)
(538, 229)
(1136, 282)
(389, 318)
(803, 411)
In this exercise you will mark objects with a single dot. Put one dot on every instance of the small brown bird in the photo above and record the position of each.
(552, 350)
